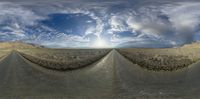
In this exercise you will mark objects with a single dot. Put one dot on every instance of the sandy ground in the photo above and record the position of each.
(113, 77)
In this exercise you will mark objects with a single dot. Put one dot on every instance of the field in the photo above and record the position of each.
(16, 45)
(98, 73)
(162, 59)
(3, 53)
(63, 59)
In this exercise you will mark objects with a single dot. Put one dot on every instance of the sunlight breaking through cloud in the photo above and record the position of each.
(59, 24)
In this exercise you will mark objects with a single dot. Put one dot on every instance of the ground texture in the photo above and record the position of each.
(111, 77)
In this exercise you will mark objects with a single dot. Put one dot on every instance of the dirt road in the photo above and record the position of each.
(112, 77)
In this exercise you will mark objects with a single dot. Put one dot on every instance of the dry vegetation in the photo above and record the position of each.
(7, 47)
(15, 45)
(3, 53)
(63, 59)
(162, 59)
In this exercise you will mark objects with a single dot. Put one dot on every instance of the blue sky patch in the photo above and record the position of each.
(75, 24)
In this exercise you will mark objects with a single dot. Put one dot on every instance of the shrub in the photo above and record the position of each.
(60, 60)
(158, 62)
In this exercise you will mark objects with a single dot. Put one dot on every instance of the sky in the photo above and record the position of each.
(100, 23)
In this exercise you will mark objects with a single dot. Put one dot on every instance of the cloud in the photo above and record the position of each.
(118, 24)
(185, 18)
(177, 22)
(16, 13)
(147, 44)
(13, 18)
(64, 40)
(146, 21)
(172, 22)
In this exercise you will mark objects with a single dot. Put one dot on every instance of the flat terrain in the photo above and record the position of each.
(168, 59)
(64, 59)
(4, 53)
(111, 76)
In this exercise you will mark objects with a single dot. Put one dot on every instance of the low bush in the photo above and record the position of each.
(158, 62)
(60, 60)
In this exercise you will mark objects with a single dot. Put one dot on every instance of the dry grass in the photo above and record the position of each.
(15, 45)
(162, 59)
(60, 59)
(3, 53)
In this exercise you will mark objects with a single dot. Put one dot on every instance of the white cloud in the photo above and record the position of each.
(90, 30)
(14, 12)
(145, 22)
(177, 22)
(64, 40)
(184, 15)
(170, 20)
(13, 18)
(118, 24)
(185, 18)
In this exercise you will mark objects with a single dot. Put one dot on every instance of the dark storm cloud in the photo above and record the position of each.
(165, 23)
